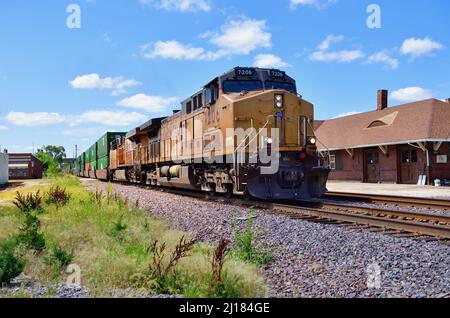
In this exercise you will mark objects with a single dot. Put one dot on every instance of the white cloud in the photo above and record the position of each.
(385, 58)
(331, 38)
(315, 3)
(242, 36)
(35, 119)
(322, 54)
(269, 61)
(236, 37)
(101, 117)
(3, 128)
(147, 102)
(354, 112)
(417, 47)
(180, 5)
(172, 50)
(118, 85)
(411, 94)
(343, 56)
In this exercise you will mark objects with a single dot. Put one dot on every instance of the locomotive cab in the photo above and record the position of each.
(266, 101)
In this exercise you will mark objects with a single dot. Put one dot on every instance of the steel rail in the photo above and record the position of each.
(394, 200)
(412, 215)
(410, 222)
(423, 228)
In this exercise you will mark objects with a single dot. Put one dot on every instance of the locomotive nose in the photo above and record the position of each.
(289, 183)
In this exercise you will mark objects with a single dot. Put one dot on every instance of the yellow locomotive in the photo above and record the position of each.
(246, 132)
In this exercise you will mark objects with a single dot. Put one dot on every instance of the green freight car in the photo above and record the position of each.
(94, 163)
(80, 164)
(103, 148)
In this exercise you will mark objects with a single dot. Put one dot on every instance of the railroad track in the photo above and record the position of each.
(394, 221)
(393, 200)
(377, 219)
(403, 223)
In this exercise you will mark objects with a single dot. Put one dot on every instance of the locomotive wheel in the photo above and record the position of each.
(229, 193)
(247, 196)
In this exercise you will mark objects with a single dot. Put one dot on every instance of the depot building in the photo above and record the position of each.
(405, 144)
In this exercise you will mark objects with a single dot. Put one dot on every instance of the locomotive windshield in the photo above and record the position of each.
(279, 85)
(233, 86)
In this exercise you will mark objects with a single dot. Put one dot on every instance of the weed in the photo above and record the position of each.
(160, 272)
(218, 260)
(118, 229)
(11, 265)
(58, 196)
(245, 247)
(29, 202)
(109, 193)
(97, 197)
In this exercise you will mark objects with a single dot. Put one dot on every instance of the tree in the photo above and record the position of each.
(51, 158)
(57, 152)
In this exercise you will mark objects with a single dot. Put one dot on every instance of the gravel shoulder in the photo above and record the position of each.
(312, 259)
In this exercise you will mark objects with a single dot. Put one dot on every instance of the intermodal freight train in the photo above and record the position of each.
(247, 132)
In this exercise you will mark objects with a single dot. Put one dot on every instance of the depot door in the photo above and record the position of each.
(371, 166)
(410, 166)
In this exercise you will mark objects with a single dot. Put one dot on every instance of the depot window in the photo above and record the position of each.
(372, 158)
(280, 85)
(241, 86)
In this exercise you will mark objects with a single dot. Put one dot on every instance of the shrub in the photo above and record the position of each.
(28, 203)
(10, 264)
(59, 257)
(58, 196)
(30, 235)
(245, 247)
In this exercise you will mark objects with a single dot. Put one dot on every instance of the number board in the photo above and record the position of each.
(245, 72)
(277, 74)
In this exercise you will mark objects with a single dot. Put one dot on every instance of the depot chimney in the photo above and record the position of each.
(382, 99)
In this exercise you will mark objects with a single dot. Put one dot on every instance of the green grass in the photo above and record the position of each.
(110, 241)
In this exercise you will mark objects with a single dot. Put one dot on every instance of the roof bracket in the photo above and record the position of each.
(436, 146)
(350, 153)
(384, 149)
(422, 146)
(322, 154)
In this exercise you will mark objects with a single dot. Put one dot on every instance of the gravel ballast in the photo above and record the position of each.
(312, 259)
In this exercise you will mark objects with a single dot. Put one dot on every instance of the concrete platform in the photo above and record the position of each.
(390, 189)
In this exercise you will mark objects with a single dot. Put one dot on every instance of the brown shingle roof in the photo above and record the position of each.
(420, 121)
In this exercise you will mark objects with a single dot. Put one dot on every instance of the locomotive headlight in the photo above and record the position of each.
(312, 141)
(279, 102)
(269, 140)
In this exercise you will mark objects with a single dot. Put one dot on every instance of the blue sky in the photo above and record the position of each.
(135, 59)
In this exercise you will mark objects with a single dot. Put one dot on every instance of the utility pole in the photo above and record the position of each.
(76, 151)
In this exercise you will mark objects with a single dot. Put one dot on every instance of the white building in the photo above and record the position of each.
(3, 168)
